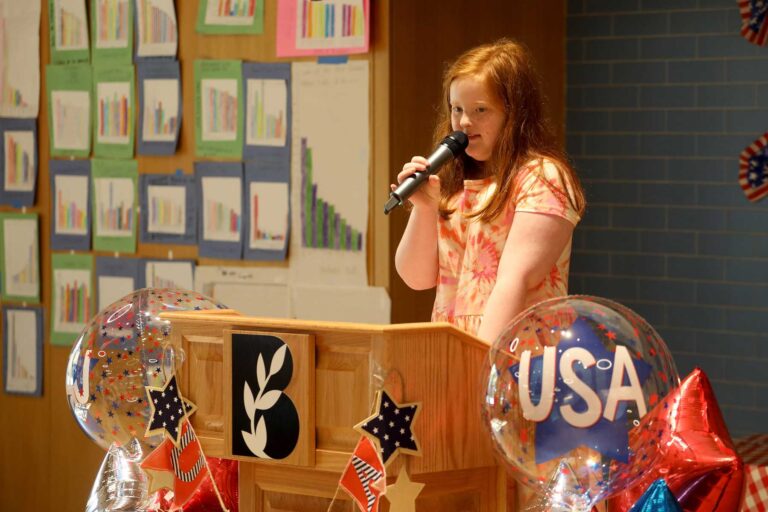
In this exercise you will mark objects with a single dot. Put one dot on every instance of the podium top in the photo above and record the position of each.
(217, 316)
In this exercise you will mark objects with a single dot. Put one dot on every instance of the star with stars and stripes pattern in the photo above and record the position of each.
(391, 427)
(169, 409)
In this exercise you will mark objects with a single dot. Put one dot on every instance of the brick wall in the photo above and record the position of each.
(662, 97)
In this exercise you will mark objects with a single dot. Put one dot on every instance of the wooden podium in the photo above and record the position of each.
(338, 368)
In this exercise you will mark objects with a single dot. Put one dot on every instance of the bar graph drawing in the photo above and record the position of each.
(161, 106)
(114, 206)
(321, 225)
(22, 266)
(19, 162)
(266, 112)
(114, 110)
(21, 352)
(71, 25)
(329, 24)
(19, 59)
(71, 207)
(169, 274)
(157, 28)
(112, 23)
(230, 12)
(222, 209)
(219, 107)
(72, 299)
(71, 111)
(167, 209)
(269, 215)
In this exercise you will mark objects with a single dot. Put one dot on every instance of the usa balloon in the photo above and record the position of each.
(566, 382)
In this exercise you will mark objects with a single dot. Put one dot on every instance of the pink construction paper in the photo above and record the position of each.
(286, 32)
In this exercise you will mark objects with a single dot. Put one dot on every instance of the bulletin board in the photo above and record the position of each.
(47, 443)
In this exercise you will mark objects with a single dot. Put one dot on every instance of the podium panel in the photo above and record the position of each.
(336, 371)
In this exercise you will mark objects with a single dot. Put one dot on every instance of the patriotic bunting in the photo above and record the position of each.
(753, 172)
(753, 25)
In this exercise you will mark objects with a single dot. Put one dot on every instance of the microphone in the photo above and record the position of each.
(449, 148)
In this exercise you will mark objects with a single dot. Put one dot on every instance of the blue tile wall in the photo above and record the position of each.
(662, 96)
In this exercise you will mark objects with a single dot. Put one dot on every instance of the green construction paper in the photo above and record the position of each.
(116, 81)
(210, 142)
(68, 34)
(28, 272)
(81, 300)
(74, 138)
(110, 53)
(114, 169)
(220, 26)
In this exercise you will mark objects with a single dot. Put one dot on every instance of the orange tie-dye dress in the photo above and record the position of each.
(469, 250)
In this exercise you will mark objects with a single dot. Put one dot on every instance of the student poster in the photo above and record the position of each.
(69, 109)
(115, 199)
(218, 108)
(113, 112)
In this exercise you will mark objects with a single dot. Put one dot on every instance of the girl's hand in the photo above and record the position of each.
(427, 195)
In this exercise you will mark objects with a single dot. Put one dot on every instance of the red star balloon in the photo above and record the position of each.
(698, 459)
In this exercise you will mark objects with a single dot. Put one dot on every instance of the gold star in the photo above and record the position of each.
(402, 495)
(158, 480)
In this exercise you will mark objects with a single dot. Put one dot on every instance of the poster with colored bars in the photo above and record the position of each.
(18, 154)
(69, 109)
(219, 108)
(114, 186)
(20, 257)
(329, 223)
(112, 31)
(324, 27)
(113, 111)
(230, 17)
(68, 20)
(157, 29)
(19, 58)
(72, 296)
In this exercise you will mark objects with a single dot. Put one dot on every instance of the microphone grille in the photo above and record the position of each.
(457, 142)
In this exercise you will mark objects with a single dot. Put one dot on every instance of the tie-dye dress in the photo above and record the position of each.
(469, 250)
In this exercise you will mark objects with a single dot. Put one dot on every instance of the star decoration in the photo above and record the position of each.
(390, 427)
(168, 410)
(556, 437)
(158, 479)
(402, 494)
(180, 468)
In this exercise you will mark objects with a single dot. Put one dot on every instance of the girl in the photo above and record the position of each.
(493, 232)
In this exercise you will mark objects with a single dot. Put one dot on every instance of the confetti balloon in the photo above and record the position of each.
(123, 349)
(567, 381)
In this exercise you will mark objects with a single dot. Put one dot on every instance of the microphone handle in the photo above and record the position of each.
(406, 189)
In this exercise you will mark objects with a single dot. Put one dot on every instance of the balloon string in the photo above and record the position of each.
(333, 500)
(208, 468)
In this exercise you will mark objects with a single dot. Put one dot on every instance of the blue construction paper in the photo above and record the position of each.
(18, 198)
(38, 343)
(116, 267)
(176, 180)
(275, 71)
(269, 172)
(154, 70)
(207, 247)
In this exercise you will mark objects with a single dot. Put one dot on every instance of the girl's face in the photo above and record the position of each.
(478, 112)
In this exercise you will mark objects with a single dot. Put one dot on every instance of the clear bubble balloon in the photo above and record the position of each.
(568, 380)
(124, 348)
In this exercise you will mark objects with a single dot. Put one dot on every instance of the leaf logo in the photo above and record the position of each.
(259, 408)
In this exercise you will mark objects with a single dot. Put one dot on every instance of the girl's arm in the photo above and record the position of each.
(533, 246)
(416, 256)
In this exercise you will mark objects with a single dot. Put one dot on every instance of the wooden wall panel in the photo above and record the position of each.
(427, 36)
